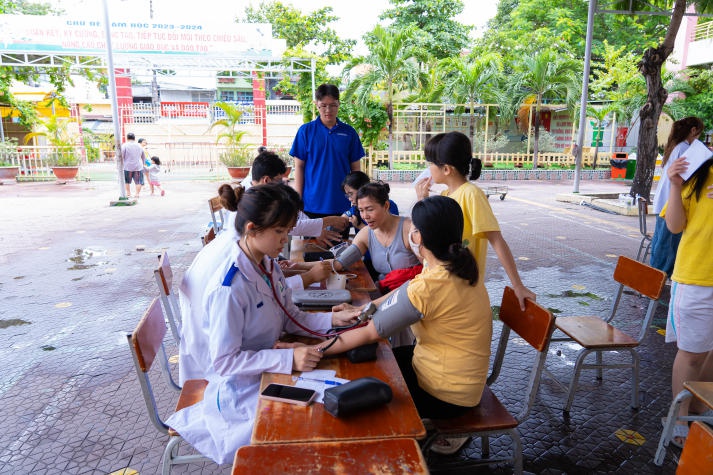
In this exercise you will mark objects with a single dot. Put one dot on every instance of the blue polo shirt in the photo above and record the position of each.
(328, 155)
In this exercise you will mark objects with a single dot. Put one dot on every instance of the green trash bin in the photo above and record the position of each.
(630, 168)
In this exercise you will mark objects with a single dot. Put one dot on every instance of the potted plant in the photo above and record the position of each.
(8, 150)
(236, 155)
(63, 159)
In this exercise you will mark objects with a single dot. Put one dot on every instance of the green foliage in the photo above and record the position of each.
(236, 153)
(369, 120)
(391, 67)
(63, 139)
(310, 31)
(698, 99)
(59, 77)
(442, 37)
(8, 148)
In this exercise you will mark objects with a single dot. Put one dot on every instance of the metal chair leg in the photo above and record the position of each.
(668, 426)
(634, 379)
(575, 378)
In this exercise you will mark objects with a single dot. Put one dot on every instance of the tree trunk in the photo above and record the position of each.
(650, 68)
(472, 123)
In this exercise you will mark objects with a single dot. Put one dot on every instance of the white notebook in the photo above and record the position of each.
(695, 155)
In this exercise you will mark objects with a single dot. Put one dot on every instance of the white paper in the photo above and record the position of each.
(317, 386)
(426, 173)
(695, 155)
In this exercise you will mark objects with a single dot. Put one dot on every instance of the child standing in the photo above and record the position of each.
(689, 323)
(154, 170)
(450, 158)
(664, 244)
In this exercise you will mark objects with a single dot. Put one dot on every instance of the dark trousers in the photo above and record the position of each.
(427, 406)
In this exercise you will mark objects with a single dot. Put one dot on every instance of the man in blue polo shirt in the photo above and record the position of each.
(325, 151)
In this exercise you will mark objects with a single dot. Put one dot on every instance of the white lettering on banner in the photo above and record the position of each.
(55, 34)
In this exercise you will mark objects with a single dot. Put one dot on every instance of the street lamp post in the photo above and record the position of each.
(585, 88)
(114, 104)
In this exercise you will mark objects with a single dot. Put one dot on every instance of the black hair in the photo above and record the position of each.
(156, 160)
(130, 136)
(454, 149)
(680, 130)
(439, 220)
(355, 180)
(326, 90)
(266, 206)
(698, 179)
(141, 140)
(268, 164)
(377, 190)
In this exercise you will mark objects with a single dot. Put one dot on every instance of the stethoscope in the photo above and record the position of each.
(268, 278)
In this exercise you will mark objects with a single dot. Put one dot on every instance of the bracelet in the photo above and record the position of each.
(333, 269)
(325, 348)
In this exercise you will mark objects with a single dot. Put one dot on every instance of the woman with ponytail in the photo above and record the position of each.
(446, 307)
(450, 158)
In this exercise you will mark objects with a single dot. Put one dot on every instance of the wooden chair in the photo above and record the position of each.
(697, 455)
(598, 336)
(703, 390)
(208, 237)
(322, 458)
(216, 208)
(164, 280)
(146, 343)
(645, 244)
(535, 325)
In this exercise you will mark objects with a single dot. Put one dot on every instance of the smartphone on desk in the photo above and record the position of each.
(289, 394)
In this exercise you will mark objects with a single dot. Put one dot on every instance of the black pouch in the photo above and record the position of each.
(363, 353)
(362, 393)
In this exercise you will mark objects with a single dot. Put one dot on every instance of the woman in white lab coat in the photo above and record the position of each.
(244, 309)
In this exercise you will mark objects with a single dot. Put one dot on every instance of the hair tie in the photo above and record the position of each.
(465, 244)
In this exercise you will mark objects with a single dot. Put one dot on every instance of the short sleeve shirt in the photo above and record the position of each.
(478, 219)
(328, 155)
(452, 350)
(694, 260)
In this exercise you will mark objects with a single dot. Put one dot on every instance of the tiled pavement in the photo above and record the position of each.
(72, 282)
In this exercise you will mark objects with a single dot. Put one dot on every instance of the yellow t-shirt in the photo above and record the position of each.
(478, 219)
(452, 351)
(694, 259)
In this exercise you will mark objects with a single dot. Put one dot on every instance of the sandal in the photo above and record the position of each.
(448, 446)
(678, 438)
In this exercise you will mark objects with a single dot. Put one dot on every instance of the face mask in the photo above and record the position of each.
(416, 248)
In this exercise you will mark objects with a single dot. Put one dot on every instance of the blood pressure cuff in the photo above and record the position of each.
(349, 256)
(354, 396)
(396, 313)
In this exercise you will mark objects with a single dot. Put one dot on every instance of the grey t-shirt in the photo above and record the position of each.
(133, 156)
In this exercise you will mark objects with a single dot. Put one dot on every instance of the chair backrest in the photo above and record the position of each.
(216, 207)
(535, 325)
(208, 237)
(146, 343)
(697, 455)
(643, 212)
(642, 278)
(164, 280)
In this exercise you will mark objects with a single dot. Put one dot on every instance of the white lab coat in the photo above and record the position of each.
(228, 337)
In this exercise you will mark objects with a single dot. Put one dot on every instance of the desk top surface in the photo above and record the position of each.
(703, 390)
(278, 422)
(370, 456)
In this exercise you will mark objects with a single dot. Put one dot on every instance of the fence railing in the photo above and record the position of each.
(415, 158)
(148, 113)
(703, 31)
(37, 161)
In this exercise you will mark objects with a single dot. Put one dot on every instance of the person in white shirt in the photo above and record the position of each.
(244, 309)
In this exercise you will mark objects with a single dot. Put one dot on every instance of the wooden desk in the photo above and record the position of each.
(278, 422)
(702, 390)
(361, 283)
(347, 458)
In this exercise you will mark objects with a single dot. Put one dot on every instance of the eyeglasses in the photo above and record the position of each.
(324, 107)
